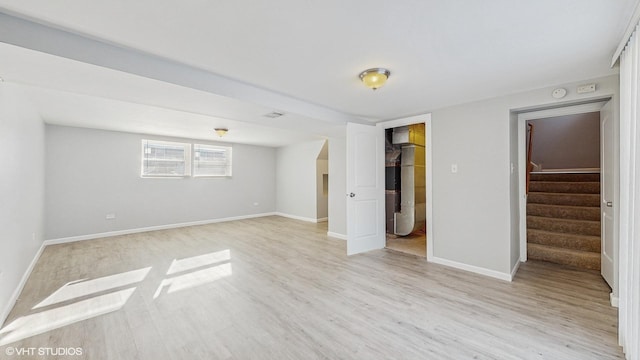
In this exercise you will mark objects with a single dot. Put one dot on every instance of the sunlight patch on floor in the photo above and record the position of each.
(198, 261)
(191, 277)
(38, 323)
(84, 287)
(194, 279)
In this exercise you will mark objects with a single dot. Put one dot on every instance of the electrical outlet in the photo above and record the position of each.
(111, 216)
(454, 168)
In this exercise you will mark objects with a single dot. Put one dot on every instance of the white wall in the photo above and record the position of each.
(296, 180)
(21, 191)
(338, 187)
(472, 209)
(91, 173)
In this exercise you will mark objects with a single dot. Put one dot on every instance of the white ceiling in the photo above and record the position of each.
(440, 53)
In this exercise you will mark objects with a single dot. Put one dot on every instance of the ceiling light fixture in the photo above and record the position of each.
(374, 78)
(274, 114)
(221, 131)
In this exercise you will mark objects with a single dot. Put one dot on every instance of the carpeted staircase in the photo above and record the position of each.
(563, 219)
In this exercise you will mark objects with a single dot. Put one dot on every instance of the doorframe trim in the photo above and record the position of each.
(523, 117)
(426, 120)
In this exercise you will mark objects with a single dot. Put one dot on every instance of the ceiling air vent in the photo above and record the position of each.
(274, 114)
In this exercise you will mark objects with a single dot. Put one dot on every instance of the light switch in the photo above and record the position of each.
(454, 168)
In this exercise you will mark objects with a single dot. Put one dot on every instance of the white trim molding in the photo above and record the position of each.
(472, 268)
(515, 270)
(337, 235)
(592, 105)
(615, 301)
(296, 217)
(150, 228)
(16, 293)
(426, 120)
(629, 201)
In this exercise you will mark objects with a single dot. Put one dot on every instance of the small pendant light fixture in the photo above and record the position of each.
(221, 131)
(374, 78)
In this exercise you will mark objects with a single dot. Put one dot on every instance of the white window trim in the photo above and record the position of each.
(228, 149)
(187, 159)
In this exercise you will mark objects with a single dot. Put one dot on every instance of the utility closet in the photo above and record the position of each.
(405, 179)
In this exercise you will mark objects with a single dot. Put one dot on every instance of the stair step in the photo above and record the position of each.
(576, 258)
(564, 211)
(565, 177)
(563, 240)
(564, 199)
(567, 226)
(581, 187)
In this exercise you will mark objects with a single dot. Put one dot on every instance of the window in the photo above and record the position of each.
(209, 160)
(165, 159)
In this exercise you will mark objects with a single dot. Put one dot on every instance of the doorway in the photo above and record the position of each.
(541, 186)
(322, 184)
(405, 189)
(365, 184)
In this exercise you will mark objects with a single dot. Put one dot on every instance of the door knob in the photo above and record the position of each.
(352, 195)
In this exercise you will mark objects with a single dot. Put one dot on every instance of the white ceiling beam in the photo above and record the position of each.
(55, 41)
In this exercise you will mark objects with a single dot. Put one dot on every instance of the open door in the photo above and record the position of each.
(607, 193)
(365, 206)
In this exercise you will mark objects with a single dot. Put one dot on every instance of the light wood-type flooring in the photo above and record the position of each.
(414, 243)
(276, 288)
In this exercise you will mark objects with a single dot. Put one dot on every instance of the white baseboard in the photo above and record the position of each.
(150, 228)
(615, 301)
(471, 268)
(21, 284)
(324, 219)
(515, 270)
(296, 217)
(337, 235)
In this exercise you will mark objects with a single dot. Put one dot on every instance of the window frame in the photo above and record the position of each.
(186, 159)
(228, 163)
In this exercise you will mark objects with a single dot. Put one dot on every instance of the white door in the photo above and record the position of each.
(365, 193)
(607, 193)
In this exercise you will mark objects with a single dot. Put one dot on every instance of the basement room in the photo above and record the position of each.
(334, 180)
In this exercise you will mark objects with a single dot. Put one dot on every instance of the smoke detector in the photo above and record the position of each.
(559, 93)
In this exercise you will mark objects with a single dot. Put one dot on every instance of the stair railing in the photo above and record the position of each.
(529, 151)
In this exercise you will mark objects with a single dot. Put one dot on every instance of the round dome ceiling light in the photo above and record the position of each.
(374, 78)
